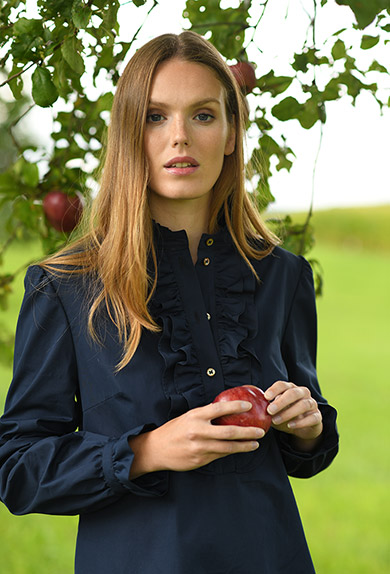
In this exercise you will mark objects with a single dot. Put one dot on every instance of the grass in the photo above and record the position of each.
(366, 228)
(344, 509)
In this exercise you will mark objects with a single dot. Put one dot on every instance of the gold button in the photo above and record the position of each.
(208, 316)
(206, 261)
(209, 242)
(210, 372)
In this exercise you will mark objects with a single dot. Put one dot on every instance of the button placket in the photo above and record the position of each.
(197, 294)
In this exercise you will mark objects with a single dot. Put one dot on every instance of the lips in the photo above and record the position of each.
(182, 162)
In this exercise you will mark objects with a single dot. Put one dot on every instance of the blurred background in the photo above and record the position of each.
(325, 187)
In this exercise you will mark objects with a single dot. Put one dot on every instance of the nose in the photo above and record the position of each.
(180, 133)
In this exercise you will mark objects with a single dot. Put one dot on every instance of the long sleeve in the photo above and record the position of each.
(48, 464)
(299, 352)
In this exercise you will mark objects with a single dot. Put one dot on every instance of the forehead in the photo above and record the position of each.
(181, 81)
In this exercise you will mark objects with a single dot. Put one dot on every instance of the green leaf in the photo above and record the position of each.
(307, 114)
(274, 84)
(16, 85)
(9, 185)
(377, 67)
(139, 3)
(105, 102)
(110, 16)
(311, 112)
(263, 195)
(60, 76)
(287, 109)
(263, 124)
(70, 52)
(332, 90)
(44, 92)
(369, 42)
(301, 61)
(339, 50)
(24, 27)
(365, 11)
(30, 174)
(81, 14)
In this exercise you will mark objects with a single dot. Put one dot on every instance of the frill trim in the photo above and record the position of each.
(182, 382)
(237, 321)
(237, 316)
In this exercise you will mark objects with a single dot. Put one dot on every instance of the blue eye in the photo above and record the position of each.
(203, 117)
(154, 118)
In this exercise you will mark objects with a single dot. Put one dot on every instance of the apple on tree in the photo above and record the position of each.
(244, 72)
(62, 211)
(256, 417)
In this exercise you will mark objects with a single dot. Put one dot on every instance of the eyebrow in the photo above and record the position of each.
(194, 104)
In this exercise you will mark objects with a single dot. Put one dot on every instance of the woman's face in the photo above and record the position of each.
(187, 133)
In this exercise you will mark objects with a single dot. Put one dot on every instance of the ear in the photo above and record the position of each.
(231, 139)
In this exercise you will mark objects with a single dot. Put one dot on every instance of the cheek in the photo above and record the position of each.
(216, 145)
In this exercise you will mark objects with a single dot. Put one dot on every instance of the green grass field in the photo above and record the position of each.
(345, 510)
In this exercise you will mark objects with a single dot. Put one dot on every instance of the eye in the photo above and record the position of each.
(154, 118)
(204, 117)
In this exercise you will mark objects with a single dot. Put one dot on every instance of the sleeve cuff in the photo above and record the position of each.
(117, 460)
(305, 464)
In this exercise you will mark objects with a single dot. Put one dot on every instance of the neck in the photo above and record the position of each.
(190, 215)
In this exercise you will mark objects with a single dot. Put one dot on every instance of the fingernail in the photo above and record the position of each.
(272, 409)
(246, 405)
(276, 420)
(291, 425)
(259, 432)
(255, 445)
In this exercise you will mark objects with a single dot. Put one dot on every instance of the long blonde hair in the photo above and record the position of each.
(117, 244)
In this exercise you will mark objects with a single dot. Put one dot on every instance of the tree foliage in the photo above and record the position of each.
(53, 58)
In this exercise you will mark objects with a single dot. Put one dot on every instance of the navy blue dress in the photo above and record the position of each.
(68, 415)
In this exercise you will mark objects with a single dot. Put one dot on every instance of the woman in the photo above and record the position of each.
(176, 292)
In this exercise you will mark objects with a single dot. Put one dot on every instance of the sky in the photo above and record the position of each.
(353, 165)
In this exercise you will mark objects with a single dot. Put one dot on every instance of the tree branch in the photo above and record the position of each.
(14, 123)
(17, 74)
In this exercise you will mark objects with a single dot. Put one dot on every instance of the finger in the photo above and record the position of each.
(310, 420)
(215, 410)
(299, 408)
(277, 388)
(289, 397)
(224, 448)
(235, 432)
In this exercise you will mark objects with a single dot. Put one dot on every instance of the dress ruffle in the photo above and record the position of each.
(237, 316)
(237, 322)
(181, 378)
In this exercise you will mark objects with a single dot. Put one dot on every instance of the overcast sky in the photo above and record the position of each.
(353, 166)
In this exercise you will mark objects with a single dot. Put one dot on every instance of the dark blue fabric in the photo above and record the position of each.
(68, 415)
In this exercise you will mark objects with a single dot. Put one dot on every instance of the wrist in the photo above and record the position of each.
(143, 461)
(305, 443)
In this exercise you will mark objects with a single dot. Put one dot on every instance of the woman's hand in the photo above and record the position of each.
(294, 411)
(191, 440)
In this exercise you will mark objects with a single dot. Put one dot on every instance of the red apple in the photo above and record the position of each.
(244, 72)
(63, 211)
(256, 417)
